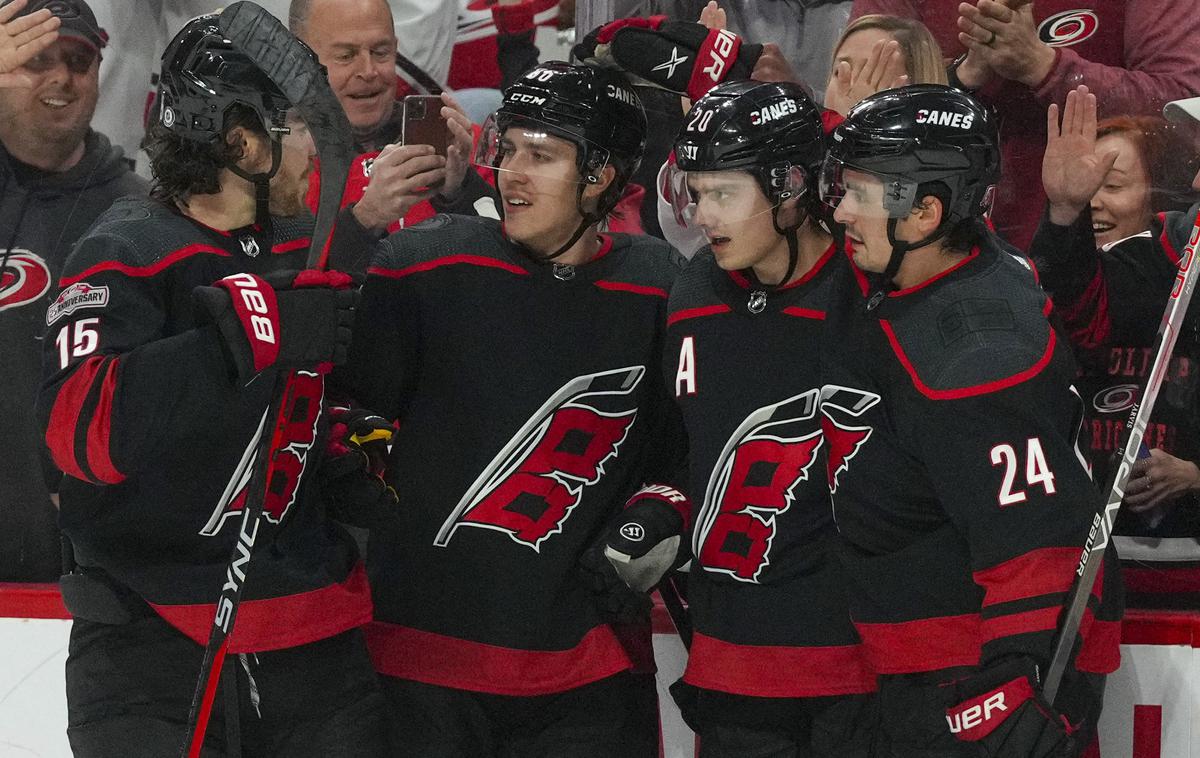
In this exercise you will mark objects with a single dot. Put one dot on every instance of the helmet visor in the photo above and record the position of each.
(536, 150)
(712, 199)
(870, 193)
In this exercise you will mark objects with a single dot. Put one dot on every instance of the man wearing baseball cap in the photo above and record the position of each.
(56, 176)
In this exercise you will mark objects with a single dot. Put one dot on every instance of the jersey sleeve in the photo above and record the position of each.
(117, 389)
(1004, 464)
(380, 370)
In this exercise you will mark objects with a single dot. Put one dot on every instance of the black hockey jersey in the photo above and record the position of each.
(951, 423)
(142, 413)
(765, 591)
(528, 397)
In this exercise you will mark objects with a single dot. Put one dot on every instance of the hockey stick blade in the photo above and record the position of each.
(1135, 428)
(294, 69)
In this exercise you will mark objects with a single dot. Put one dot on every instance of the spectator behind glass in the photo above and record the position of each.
(1126, 189)
(922, 58)
(389, 181)
(1152, 174)
(56, 176)
(1137, 53)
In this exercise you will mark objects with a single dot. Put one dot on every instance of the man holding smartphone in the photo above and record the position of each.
(393, 177)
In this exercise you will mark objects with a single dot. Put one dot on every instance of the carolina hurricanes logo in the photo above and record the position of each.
(845, 439)
(24, 279)
(1068, 28)
(297, 432)
(538, 478)
(763, 460)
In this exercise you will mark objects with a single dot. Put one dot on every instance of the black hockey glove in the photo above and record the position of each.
(1001, 710)
(352, 471)
(643, 542)
(289, 320)
(678, 56)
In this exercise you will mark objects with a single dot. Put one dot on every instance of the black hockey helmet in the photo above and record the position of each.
(914, 137)
(764, 128)
(595, 109)
(203, 75)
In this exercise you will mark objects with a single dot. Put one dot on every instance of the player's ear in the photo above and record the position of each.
(598, 181)
(249, 150)
(927, 215)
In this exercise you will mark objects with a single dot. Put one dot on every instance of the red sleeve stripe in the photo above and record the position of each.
(1100, 652)
(1047, 571)
(1026, 622)
(637, 289)
(959, 393)
(795, 310)
(99, 433)
(777, 670)
(145, 271)
(449, 260)
(706, 310)
(65, 414)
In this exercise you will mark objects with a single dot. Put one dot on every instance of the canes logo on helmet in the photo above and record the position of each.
(24, 279)
(539, 477)
(945, 118)
(296, 432)
(1069, 27)
(752, 484)
(773, 112)
(845, 439)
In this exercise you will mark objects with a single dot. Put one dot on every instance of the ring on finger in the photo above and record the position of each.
(991, 41)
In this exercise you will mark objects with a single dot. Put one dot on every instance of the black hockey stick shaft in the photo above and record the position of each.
(1135, 428)
(418, 74)
(668, 590)
(292, 67)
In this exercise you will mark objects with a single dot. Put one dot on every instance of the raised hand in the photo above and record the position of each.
(1072, 172)
(850, 82)
(458, 152)
(23, 38)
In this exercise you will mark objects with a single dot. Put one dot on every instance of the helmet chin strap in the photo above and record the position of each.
(586, 221)
(884, 282)
(791, 234)
(262, 194)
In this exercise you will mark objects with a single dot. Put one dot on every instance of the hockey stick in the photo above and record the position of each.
(668, 590)
(294, 69)
(1135, 428)
(418, 75)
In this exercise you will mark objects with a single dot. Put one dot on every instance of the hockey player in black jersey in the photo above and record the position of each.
(951, 422)
(174, 317)
(521, 361)
(775, 667)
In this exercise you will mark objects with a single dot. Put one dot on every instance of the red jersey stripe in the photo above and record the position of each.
(438, 659)
(706, 310)
(99, 433)
(795, 310)
(637, 289)
(449, 260)
(282, 622)
(777, 671)
(1045, 571)
(64, 416)
(908, 647)
(145, 271)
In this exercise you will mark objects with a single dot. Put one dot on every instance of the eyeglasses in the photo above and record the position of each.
(78, 60)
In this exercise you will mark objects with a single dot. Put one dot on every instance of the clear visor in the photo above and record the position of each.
(533, 150)
(870, 194)
(715, 199)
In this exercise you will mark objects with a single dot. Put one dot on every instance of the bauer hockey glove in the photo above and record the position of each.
(352, 471)
(678, 56)
(642, 544)
(1001, 710)
(289, 320)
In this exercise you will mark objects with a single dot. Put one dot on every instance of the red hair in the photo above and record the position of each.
(1167, 153)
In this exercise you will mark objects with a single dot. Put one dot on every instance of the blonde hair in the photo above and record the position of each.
(922, 56)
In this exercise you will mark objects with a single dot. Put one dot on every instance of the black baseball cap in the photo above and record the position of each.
(78, 20)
